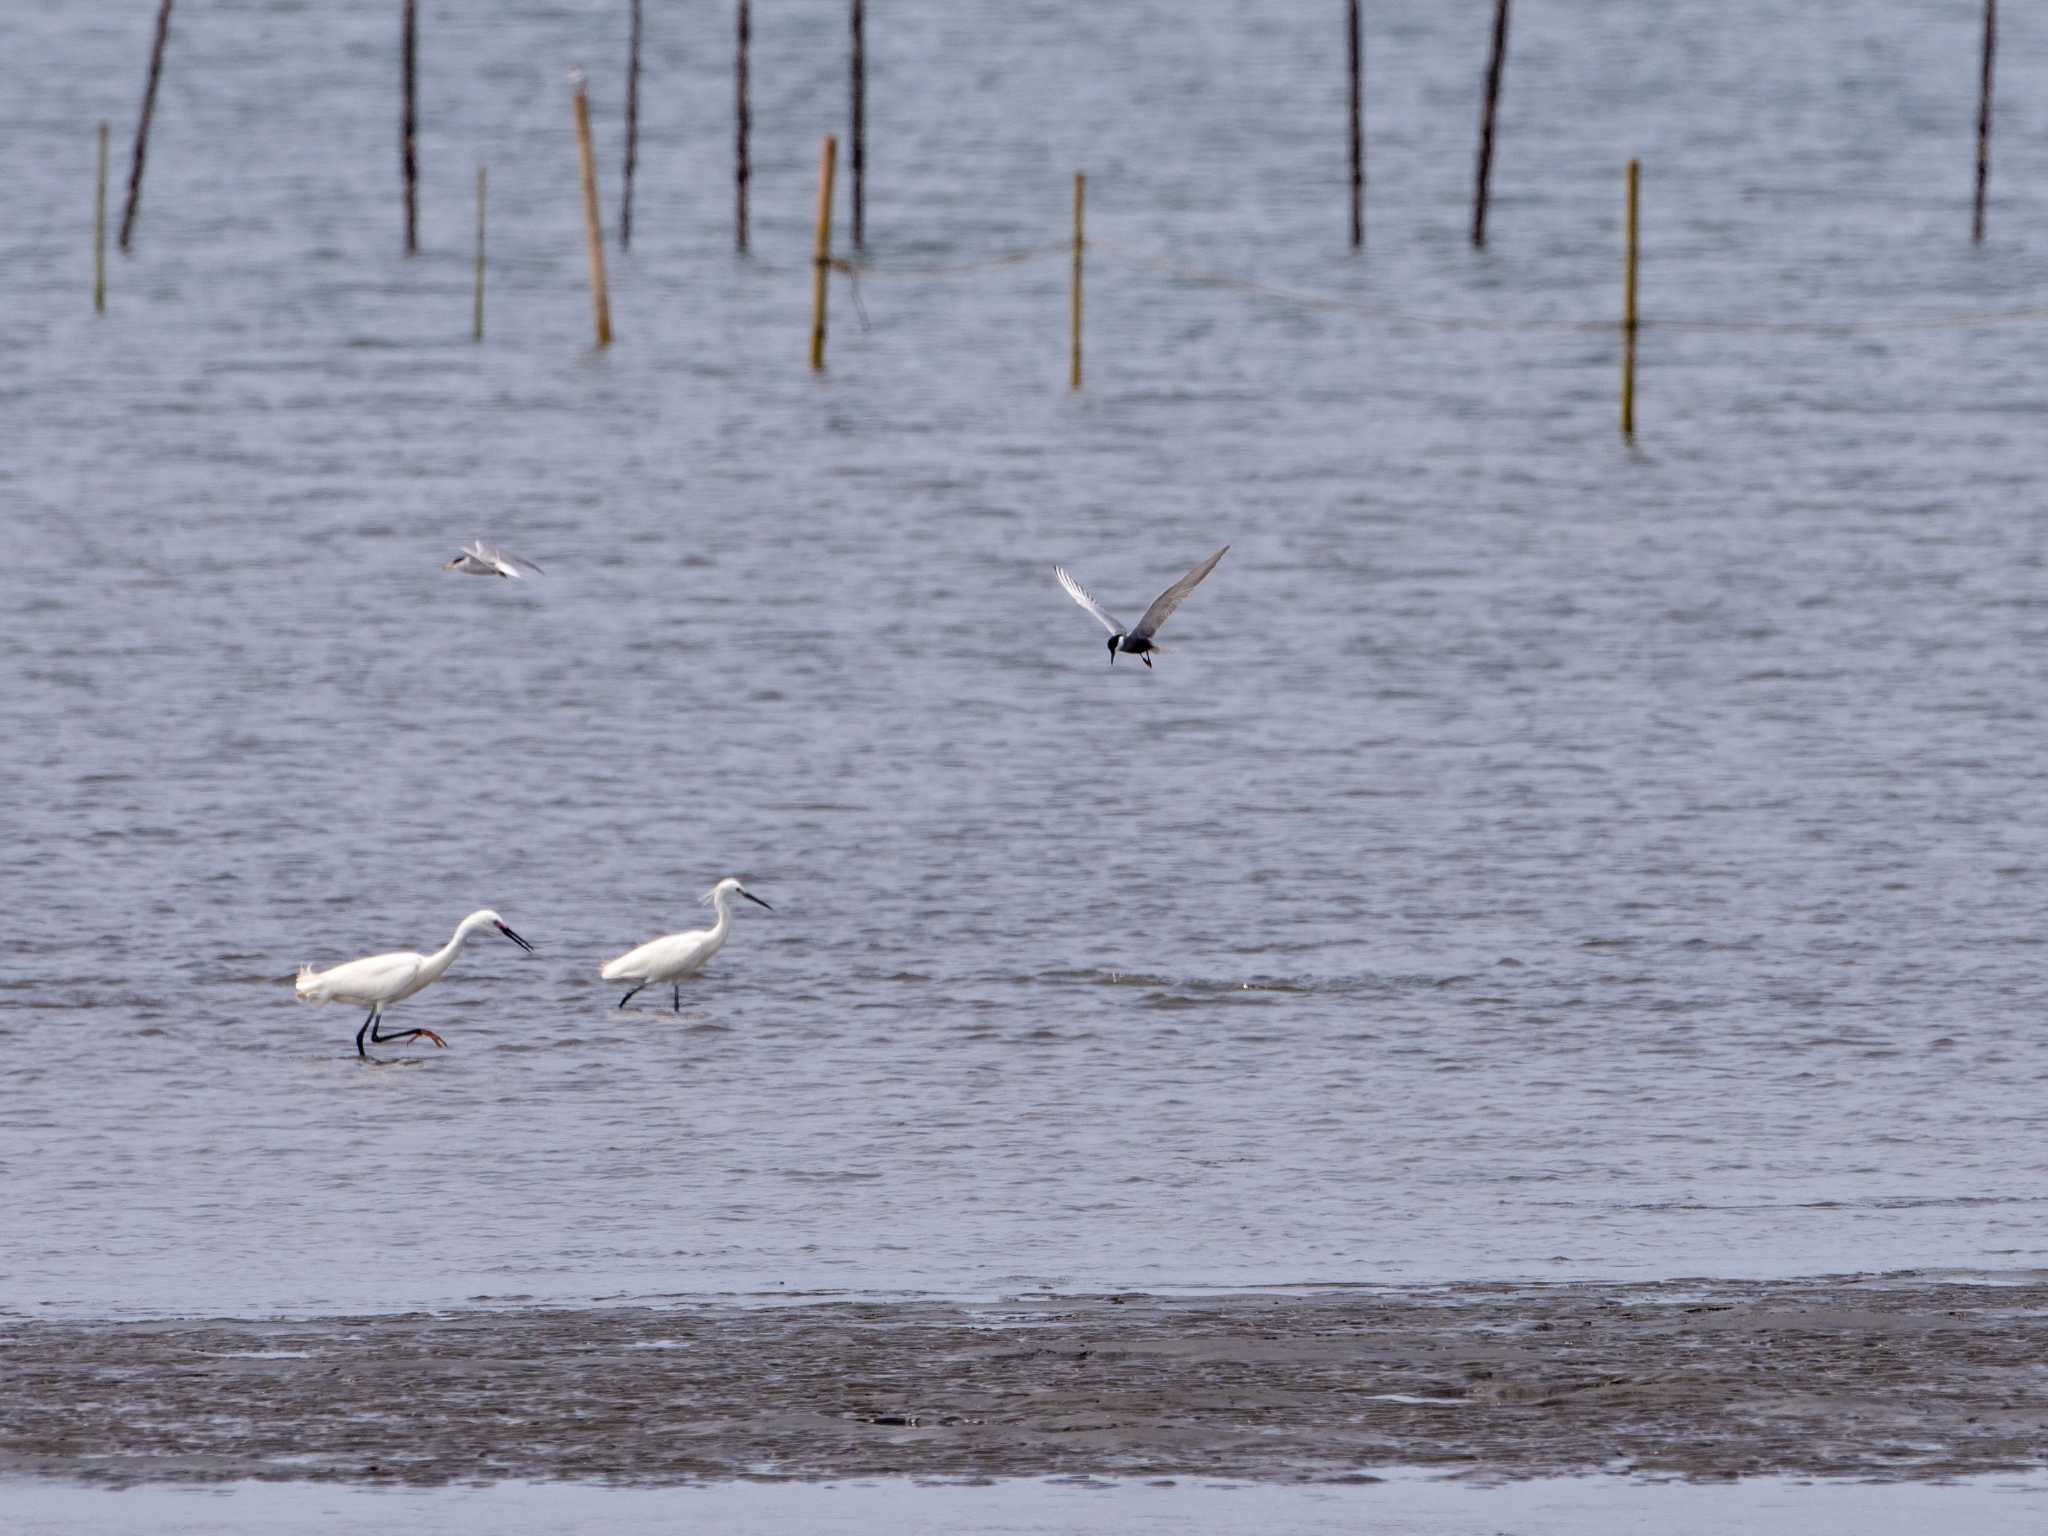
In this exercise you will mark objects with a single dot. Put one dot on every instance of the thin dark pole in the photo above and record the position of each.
(99, 228)
(1984, 117)
(1357, 130)
(740, 163)
(632, 130)
(860, 123)
(476, 314)
(1628, 309)
(408, 124)
(156, 69)
(1500, 51)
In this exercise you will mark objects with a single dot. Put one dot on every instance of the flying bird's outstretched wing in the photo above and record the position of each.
(1074, 591)
(1164, 604)
(505, 561)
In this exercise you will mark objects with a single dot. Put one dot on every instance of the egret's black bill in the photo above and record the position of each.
(515, 938)
(757, 901)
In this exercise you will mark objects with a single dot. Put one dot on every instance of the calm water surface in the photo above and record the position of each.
(1535, 858)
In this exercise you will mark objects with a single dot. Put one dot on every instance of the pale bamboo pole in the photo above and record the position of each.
(141, 150)
(821, 263)
(592, 228)
(1080, 242)
(1984, 118)
(99, 229)
(476, 322)
(1628, 315)
(1493, 69)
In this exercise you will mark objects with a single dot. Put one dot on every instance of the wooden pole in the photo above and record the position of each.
(1984, 118)
(1074, 339)
(1493, 68)
(821, 263)
(476, 322)
(592, 228)
(408, 123)
(632, 130)
(1357, 129)
(740, 164)
(156, 69)
(860, 123)
(1628, 316)
(99, 229)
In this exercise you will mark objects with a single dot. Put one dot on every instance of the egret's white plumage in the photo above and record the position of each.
(481, 559)
(672, 958)
(378, 981)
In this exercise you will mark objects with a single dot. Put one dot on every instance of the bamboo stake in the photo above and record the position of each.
(860, 123)
(1493, 68)
(1074, 340)
(740, 164)
(99, 229)
(1984, 118)
(1357, 128)
(135, 159)
(1628, 316)
(408, 124)
(592, 228)
(476, 322)
(632, 130)
(821, 266)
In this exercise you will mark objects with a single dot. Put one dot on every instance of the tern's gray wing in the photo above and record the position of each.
(503, 558)
(1074, 591)
(1164, 604)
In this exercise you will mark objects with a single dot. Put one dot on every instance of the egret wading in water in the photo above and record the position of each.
(1138, 641)
(382, 980)
(481, 559)
(672, 958)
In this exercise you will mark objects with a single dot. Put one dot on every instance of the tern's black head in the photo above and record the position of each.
(1113, 639)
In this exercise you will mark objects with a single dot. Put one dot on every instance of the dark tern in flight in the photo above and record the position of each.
(1138, 641)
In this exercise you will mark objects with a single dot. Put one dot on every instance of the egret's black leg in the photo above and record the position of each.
(364, 1031)
(630, 995)
(679, 996)
(403, 1035)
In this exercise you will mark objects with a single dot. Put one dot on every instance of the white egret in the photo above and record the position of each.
(481, 559)
(381, 980)
(1138, 642)
(678, 955)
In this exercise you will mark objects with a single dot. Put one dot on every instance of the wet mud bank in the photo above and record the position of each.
(1888, 1377)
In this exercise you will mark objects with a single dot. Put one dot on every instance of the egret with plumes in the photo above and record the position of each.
(481, 559)
(381, 980)
(1138, 641)
(672, 958)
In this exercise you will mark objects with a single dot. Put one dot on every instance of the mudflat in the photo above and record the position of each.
(1896, 1377)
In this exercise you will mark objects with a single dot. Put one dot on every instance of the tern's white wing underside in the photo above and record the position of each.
(1078, 595)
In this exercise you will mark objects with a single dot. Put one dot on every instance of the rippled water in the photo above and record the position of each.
(1535, 858)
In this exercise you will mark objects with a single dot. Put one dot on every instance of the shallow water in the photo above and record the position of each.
(1405, 1506)
(1535, 858)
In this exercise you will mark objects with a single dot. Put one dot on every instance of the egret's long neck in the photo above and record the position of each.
(719, 903)
(444, 957)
